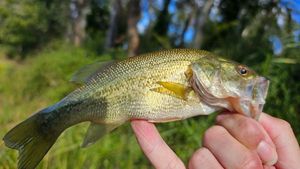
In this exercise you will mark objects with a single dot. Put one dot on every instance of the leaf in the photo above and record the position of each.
(285, 61)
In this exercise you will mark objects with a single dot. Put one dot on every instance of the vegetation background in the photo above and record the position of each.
(43, 42)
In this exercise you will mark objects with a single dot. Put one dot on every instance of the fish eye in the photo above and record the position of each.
(242, 70)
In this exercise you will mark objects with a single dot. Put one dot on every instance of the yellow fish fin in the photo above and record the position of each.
(174, 89)
(97, 131)
(162, 90)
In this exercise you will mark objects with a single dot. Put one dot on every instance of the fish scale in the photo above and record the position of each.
(142, 92)
(147, 78)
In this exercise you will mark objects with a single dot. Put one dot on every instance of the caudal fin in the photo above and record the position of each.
(30, 138)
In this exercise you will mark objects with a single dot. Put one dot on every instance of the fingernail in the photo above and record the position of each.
(267, 153)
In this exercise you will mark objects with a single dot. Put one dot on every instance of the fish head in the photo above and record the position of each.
(230, 85)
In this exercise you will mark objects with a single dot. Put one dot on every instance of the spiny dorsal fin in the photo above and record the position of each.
(96, 131)
(173, 89)
(87, 72)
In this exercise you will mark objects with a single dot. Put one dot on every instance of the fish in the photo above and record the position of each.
(161, 86)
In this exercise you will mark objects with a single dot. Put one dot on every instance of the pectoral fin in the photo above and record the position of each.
(163, 91)
(96, 131)
(174, 89)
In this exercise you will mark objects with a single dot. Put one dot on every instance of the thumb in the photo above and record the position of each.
(284, 139)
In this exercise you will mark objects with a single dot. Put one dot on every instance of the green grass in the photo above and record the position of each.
(43, 79)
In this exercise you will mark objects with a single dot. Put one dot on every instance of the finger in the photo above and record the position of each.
(284, 139)
(251, 134)
(228, 151)
(204, 159)
(269, 167)
(154, 147)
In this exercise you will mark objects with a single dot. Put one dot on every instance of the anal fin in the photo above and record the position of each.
(97, 131)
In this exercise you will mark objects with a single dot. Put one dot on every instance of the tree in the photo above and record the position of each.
(201, 20)
(163, 19)
(117, 24)
(29, 24)
(132, 32)
(79, 9)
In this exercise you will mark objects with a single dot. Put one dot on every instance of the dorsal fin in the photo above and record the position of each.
(87, 72)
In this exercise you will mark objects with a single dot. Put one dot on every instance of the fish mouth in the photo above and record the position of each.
(248, 108)
(250, 104)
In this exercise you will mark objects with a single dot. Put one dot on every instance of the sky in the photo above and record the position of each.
(149, 16)
(294, 5)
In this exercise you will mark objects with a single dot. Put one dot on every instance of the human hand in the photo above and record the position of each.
(233, 144)
(225, 144)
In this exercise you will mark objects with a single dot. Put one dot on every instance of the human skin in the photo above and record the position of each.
(234, 142)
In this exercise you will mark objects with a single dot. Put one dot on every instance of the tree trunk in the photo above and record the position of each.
(187, 23)
(201, 21)
(114, 19)
(132, 32)
(79, 10)
(161, 26)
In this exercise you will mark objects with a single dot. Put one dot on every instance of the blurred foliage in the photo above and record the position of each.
(36, 62)
(26, 25)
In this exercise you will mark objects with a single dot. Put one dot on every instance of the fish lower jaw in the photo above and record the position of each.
(246, 107)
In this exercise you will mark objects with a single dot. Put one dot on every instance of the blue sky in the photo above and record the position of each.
(294, 5)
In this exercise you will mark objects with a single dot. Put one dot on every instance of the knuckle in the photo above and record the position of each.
(199, 158)
(154, 147)
(284, 124)
(213, 133)
(251, 161)
(253, 131)
(200, 155)
(175, 163)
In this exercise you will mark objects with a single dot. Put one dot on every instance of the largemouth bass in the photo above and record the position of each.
(158, 87)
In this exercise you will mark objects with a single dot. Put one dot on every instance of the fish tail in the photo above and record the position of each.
(33, 138)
